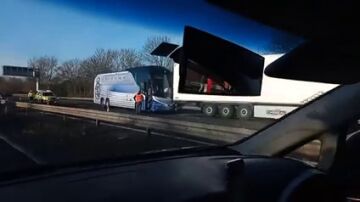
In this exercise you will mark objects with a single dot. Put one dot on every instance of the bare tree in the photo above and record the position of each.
(46, 65)
(68, 78)
(100, 62)
(126, 58)
(69, 70)
(149, 46)
(16, 85)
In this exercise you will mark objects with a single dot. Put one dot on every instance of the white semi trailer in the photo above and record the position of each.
(278, 97)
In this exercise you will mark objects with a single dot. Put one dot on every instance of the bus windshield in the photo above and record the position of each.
(160, 84)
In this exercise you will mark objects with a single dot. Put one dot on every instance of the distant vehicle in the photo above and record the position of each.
(2, 99)
(45, 96)
(31, 95)
(118, 89)
(278, 97)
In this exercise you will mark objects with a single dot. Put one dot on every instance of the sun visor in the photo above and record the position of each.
(318, 61)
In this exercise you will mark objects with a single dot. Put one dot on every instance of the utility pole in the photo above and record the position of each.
(36, 75)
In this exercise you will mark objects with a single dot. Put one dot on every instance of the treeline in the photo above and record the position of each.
(16, 85)
(75, 77)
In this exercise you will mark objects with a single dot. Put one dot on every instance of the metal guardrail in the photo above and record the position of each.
(77, 98)
(209, 131)
(24, 96)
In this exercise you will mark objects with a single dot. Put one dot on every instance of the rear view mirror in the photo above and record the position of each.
(214, 66)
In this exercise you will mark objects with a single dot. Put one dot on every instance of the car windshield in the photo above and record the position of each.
(117, 98)
(48, 94)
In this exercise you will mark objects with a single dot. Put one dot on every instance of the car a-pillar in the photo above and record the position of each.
(245, 111)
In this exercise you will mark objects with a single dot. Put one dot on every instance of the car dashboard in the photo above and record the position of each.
(226, 177)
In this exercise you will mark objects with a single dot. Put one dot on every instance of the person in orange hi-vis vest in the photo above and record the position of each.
(139, 98)
(209, 86)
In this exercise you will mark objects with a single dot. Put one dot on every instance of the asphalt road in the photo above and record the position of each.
(35, 138)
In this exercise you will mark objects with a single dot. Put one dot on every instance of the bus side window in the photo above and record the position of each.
(142, 86)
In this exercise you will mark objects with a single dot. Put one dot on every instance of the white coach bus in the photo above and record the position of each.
(119, 88)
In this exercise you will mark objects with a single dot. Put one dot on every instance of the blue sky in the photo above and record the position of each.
(75, 29)
(31, 28)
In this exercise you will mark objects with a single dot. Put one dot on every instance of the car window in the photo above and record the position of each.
(48, 94)
(114, 98)
(308, 153)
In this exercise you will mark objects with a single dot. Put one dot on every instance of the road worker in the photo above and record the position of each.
(31, 95)
(139, 98)
(209, 86)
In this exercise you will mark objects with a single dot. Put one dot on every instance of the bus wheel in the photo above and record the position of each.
(107, 105)
(209, 109)
(226, 111)
(244, 111)
(102, 103)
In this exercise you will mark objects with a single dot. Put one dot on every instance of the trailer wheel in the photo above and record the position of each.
(244, 111)
(226, 111)
(209, 109)
(102, 103)
(107, 105)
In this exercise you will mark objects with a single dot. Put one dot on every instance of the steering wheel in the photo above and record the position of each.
(310, 185)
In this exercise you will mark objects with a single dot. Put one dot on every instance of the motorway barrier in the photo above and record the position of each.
(202, 130)
(24, 97)
(77, 98)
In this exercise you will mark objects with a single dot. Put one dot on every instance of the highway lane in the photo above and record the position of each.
(47, 139)
(185, 115)
(12, 159)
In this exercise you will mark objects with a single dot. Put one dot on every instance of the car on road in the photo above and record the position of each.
(45, 96)
(2, 99)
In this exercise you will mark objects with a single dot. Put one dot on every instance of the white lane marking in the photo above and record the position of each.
(352, 198)
(352, 134)
(158, 134)
(142, 131)
(169, 149)
(22, 150)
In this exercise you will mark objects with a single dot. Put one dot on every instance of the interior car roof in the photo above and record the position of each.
(306, 18)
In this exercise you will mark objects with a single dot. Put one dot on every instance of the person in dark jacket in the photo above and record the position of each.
(139, 98)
